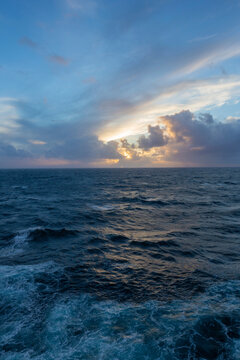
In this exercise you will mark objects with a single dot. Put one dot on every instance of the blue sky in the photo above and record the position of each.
(119, 83)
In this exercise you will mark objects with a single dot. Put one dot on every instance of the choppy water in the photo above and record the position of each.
(120, 264)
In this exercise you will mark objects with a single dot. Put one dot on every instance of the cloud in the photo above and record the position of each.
(128, 151)
(202, 38)
(83, 6)
(202, 140)
(185, 139)
(58, 59)
(8, 115)
(139, 78)
(131, 117)
(28, 42)
(155, 138)
(181, 139)
(37, 142)
(90, 80)
(87, 148)
(57, 143)
(150, 82)
(43, 52)
(9, 151)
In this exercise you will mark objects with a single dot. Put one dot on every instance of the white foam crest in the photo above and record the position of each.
(22, 187)
(103, 207)
(19, 243)
(153, 199)
(18, 293)
(110, 330)
(81, 327)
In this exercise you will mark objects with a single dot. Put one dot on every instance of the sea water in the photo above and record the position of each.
(115, 264)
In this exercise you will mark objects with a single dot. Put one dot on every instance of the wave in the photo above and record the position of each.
(22, 187)
(22, 237)
(19, 242)
(152, 201)
(154, 244)
(103, 207)
(40, 234)
(206, 328)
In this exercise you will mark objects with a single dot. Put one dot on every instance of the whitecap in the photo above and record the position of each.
(19, 242)
(84, 327)
(19, 303)
(103, 207)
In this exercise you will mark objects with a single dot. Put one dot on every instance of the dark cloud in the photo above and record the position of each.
(9, 151)
(207, 118)
(70, 141)
(202, 140)
(126, 145)
(189, 140)
(155, 138)
(85, 149)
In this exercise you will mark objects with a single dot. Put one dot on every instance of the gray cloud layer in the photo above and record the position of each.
(9, 151)
(85, 148)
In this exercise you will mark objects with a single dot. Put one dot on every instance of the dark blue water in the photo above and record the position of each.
(120, 264)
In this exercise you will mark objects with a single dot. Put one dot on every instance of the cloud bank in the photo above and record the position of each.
(190, 140)
(180, 139)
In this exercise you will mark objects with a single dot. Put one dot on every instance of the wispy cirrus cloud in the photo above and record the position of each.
(28, 42)
(202, 38)
(82, 6)
(37, 142)
(58, 59)
(54, 58)
(8, 115)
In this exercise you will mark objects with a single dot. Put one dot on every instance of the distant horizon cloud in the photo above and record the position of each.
(184, 139)
(200, 140)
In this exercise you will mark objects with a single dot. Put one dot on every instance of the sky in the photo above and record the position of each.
(119, 83)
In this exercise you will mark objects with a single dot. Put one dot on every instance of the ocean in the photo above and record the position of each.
(120, 264)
